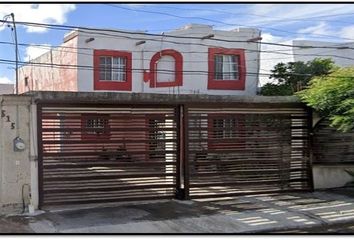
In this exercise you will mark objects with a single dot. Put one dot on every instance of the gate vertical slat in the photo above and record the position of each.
(178, 149)
(186, 160)
(310, 147)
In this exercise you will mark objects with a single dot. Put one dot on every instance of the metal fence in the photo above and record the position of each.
(332, 146)
(103, 153)
(234, 150)
(107, 153)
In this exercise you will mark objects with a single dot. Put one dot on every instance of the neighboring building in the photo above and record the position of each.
(341, 53)
(192, 62)
(6, 88)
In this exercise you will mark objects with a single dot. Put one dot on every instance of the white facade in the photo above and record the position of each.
(340, 53)
(193, 42)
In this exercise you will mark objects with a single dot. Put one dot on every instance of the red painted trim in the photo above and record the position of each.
(227, 84)
(112, 85)
(86, 135)
(178, 69)
(146, 76)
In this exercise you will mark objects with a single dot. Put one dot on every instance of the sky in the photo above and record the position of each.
(279, 23)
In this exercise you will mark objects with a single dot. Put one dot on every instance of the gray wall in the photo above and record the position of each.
(14, 166)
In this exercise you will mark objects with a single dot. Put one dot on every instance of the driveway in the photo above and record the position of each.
(266, 213)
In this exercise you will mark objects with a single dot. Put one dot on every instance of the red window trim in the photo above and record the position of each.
(178, 69)
(112, 85)
(227, 84)
(88, 136)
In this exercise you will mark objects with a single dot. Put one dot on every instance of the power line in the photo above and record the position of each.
(99, 32)
(224, 23)
(250, 50)
(265, 16)
(139, 70)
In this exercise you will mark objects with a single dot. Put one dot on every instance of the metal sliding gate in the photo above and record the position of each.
(103, 153)
(109, 153)
(235, 151)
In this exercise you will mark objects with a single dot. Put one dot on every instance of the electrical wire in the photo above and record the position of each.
(158, 36)
(222, 22)
(312, 19)
(57, 49)
(138, 70)
(4, 61)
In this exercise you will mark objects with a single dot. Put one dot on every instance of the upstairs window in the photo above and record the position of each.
(112, 70)
(227, 69)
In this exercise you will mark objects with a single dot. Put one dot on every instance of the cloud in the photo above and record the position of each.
(33, 52)
(272, 55)
(298, 11)
(347, 32)
(41, 13)
(322, 29)
(5, 80)
(327, 33)
(287, 19)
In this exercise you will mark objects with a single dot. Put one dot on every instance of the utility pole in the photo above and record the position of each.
(16, 49)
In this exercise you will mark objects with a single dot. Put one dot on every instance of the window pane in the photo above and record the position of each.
(115, 76)
(104, 68)
(96, 126)
(108, 75)
(218, 67)
(119, 68)
(102, 60)
(226, 67)
(112, 68)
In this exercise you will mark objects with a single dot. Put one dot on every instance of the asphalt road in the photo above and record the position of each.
(330, 212)
(347, 228)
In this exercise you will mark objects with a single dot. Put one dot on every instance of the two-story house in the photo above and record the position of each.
(195, 59)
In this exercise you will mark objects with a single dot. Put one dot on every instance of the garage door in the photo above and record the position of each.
(234, 151)
(106, 153)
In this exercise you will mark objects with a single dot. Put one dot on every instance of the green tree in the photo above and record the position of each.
(293, 76)
(333, 97)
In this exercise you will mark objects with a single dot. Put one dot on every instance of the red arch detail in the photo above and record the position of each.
(178, 69)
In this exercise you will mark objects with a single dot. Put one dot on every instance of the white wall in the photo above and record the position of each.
(331, 176)
(15, 167)
(142, 54)
(308, 54)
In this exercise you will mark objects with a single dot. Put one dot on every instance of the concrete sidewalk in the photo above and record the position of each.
(246, 214)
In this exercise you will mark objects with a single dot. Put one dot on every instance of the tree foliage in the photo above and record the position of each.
(293, 76)
(333, 97)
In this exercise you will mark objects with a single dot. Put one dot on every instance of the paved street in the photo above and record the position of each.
(318, 212)
(347, 228)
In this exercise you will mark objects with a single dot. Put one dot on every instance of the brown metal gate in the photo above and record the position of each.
(233, 151)
(107, 153)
